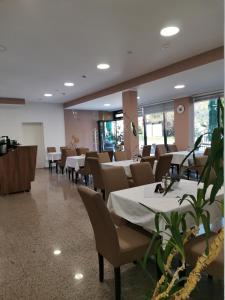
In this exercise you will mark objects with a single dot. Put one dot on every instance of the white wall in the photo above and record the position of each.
(51, 115)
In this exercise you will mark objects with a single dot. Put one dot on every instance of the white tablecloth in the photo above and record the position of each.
(54, 156)
(122, 163)
(75, 162)
(126, 203)
(179, 156)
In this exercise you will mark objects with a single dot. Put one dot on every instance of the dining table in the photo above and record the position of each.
(121, 163)
(138, 205)
(179, 156)
(75, 162)
(53, 156)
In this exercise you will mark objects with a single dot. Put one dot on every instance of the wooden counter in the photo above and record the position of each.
(17, 169)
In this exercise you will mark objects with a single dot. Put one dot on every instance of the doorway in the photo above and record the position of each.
(33, 134)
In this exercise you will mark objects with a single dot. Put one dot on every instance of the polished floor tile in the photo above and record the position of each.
(51, 220)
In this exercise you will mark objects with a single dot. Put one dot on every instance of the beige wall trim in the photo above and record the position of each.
(183, 65)
(12, 101)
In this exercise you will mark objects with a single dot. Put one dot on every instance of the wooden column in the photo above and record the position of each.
(130, 120)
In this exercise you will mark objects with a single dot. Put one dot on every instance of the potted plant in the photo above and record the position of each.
(169, 285)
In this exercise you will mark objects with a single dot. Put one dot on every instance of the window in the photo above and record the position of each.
(205, 119)
(160, 128)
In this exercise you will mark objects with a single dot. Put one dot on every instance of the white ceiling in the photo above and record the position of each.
(50, 42)
(207, 78)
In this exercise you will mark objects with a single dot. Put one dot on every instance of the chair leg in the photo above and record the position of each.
(117, 283)
(101, 267)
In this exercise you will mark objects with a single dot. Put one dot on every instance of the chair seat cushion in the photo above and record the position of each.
(133, 245)
(195, 248)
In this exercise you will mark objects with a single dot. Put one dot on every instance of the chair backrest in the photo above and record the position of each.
(64, 147)
(172, 148)
(86, 165)
(163, 166)
(149, 159)
(106, 238)
(81, 151)
(111, 153)
(51, 149)
(142, 173)
(207, 151)
(120, 155)
(70, 152)
(103, 157)
(160, 150)
(96, 171)
(114, 179)
(146, 150)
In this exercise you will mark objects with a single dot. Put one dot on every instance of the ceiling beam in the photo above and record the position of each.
(180, 66)
(12, 101)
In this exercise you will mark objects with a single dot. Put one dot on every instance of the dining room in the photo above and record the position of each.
(112, 150)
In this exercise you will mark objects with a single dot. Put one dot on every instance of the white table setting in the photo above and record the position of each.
(122, 163)
(128, 205)
(53, 156)
(75, 162)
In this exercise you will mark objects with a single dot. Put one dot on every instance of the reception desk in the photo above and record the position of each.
(17, 169)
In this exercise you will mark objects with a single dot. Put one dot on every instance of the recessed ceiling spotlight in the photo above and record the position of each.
(103, 66)
(57, 252)
(169, 31)
(2, 48)
(138, 97)
(129, 52)
(107, 104)
(48, 95)
(78, 276)
(84, 76)
(68, 83)
(179, 86)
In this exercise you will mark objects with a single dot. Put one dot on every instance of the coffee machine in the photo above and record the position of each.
(6, 144)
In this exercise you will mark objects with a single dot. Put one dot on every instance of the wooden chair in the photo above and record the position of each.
(119, 245)
(81, 151)
(160, 150)
(149, 159)
(103, 157)
(163, 166)
(146, 151)
(142, 173)
(114, 179)
(120, 155)
(61, 163)
(96, 172)
(111, 153)
(197, 166)
(196, 247)
(85, 171)
(51, 149)
(172, 148)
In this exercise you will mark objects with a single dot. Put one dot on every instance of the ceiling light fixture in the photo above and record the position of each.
(138, 97)
(169, 31)
(179, 86)
(107, 104)
(48, 95)
(78, 276)
(68, 83)
(103, 66)
(57, 252)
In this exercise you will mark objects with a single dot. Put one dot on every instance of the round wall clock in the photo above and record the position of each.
(180, 109)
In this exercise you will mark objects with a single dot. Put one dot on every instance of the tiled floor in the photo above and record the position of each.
(52, 217)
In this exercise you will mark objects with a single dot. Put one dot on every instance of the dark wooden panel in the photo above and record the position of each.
(17, 169)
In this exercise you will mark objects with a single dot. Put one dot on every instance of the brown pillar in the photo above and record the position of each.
(183, 123)
(130, 121)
